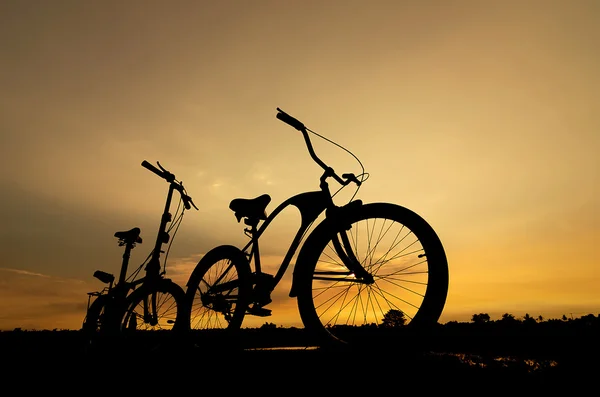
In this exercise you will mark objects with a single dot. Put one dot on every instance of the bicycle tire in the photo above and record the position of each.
(100, 329)
(93, 322)
(409, 281)
(164, 323)
(170, 307)
(218, 290)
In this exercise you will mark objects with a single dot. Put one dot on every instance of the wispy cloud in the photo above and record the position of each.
(24, 272)
(31, 300)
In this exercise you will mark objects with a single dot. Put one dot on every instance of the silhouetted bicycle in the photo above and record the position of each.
(362, 266)
(148, 302)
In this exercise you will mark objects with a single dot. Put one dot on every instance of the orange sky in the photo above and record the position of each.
(481, 116)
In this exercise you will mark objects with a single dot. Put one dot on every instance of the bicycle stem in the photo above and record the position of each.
(162, 237)
(153, 267)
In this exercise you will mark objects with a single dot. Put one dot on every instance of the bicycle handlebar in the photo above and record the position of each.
(286, 118)
(297, 124)
(166, 175)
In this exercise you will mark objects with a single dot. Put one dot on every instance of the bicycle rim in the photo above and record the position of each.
(219, 289)
(406, 280)
(157, 308)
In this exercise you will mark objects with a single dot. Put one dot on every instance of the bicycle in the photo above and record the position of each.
(141, 302)
(364, 266)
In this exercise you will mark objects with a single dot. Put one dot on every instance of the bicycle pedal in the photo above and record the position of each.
(264, 301)
(259, 311)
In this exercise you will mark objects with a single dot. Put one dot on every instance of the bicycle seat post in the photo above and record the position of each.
(125, 264)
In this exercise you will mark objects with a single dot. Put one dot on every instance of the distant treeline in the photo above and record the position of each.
(395, 319)
(567, 338)
(564, 339)
(508, 318)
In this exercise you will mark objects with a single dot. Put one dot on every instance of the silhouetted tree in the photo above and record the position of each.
(268, 326)
(393, 318)
(480, 318)
(508, 318)
(527, 319)
(588, 319)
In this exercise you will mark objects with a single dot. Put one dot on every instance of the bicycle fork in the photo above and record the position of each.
(149, 315)
(150, 312)
(346, 253)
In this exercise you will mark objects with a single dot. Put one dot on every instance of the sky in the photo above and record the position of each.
(481, 116)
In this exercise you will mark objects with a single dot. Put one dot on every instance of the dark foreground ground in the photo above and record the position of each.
(277, 361)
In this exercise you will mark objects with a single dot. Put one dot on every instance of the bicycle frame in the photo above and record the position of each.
(153, 267)
(310, 205)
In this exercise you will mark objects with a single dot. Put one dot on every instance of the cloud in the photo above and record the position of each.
(30, 300)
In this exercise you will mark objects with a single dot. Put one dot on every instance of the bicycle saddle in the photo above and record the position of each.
(130, 235)
(250, 208)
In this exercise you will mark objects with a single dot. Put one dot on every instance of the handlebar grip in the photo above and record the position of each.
(286, 118)
(152, 168)
(351, 178)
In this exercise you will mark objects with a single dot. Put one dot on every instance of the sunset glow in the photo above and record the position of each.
(482, 117)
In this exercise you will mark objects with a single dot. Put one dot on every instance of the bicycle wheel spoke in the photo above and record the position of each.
(155, 308)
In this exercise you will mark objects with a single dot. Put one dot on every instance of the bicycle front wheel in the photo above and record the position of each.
(399, 278)
(158, 306)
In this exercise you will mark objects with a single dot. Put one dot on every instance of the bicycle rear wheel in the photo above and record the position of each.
(218, 290)
(404, 283)
(94, 316)
(95, 321)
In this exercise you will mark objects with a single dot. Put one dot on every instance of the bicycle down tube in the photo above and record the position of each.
(310, 205)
